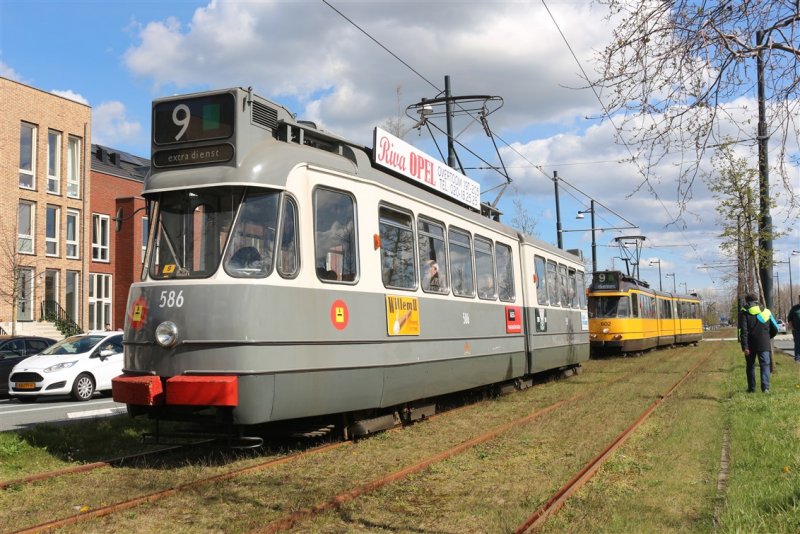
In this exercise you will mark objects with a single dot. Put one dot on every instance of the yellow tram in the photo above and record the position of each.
(626, 315)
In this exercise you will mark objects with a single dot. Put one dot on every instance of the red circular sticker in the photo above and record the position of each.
(340, 315)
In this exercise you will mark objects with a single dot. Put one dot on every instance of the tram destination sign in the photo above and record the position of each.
(201, 155)
(199, 118)
(393, 153)
(605, 280)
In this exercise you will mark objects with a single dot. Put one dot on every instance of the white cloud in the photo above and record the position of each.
(307, 53)
(110, 125)
(11, 74)
(307, 57)
(72, 95)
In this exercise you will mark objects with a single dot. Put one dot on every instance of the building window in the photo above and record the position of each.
(51, 291)
(73, 226)
(100, 237)
(54, 162)
(52, 224)
(145, 232)
(73, 167)
(27, 156)
(26, 213)
(72, 294)
(99, 301)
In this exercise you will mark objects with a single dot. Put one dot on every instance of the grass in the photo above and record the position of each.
(764, 487)
(663, 479)
(47, 447)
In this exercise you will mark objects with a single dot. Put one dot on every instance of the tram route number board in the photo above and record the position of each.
(199, 118)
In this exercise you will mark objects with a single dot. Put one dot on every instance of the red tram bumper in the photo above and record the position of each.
(180, 390)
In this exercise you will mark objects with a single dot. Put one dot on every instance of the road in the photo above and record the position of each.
(785, 343)
(15, 415)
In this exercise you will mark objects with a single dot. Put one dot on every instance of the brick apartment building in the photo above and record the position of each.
(59, 252)
(116, 256)
(44, 176)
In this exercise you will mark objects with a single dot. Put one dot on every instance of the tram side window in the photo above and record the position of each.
(581, 282)
(648, 307)
(635, 305)
(665, 309)
(252, 240)
(552, 284)
(563, 286)
(484, 266)
(335, 236)
(572, 290)
(398, 265)
(505, 272)
(541, 281)
(288, 261)
(432, 257)
(460, 245)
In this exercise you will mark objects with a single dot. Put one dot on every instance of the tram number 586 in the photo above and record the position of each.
(171, 299)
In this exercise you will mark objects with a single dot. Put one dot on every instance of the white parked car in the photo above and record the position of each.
(77, 366)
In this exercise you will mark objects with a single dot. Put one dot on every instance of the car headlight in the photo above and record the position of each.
(166, 334)
(59, 366)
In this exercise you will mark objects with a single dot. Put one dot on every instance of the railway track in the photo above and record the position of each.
(84, 468)
(343, 497)
(553, 504)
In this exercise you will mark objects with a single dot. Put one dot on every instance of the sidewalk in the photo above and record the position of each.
(785, 343)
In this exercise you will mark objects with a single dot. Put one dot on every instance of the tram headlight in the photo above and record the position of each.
(166, 334)
(606, 330)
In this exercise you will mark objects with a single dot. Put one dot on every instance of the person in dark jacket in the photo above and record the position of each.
(757, 327)
(794, 322)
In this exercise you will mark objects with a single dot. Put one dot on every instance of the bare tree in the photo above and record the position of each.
(735, 185)
(522, 219)
(675, 75)
(397, 125)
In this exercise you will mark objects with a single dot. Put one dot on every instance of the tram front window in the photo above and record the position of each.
(608, 307)
(193, 228)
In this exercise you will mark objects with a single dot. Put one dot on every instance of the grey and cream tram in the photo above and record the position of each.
(291, 273)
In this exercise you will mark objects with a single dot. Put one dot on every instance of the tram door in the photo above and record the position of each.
(25, 294)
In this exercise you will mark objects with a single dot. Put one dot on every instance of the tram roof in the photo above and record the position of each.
(290, 143)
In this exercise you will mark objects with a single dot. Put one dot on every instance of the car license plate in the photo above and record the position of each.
(26, 385)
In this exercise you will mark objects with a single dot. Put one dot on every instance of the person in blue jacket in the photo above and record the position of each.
(757, 327)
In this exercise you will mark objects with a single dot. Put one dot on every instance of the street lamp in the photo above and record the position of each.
(660, 288)
(674, 290)
(685, 288)
(594, 243)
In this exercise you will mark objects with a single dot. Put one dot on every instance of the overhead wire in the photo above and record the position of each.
(644, 174)
(506, 143)
(539, 167)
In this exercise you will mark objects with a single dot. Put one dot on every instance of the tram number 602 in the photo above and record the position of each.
(171, 299)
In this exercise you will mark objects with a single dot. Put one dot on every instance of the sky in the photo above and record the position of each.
(352, 65)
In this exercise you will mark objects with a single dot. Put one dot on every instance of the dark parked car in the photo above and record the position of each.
(14, 349)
